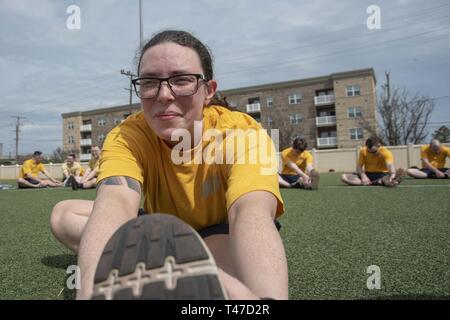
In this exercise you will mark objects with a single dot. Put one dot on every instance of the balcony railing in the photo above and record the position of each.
(322, 100)
(85, 142)
(253, 107)
(327, 142)
(325, 121)
(85, 157)
(86, 127)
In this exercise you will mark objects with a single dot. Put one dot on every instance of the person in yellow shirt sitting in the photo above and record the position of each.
(89, 178)
(375, 167)
(71, 168)
(29, 174)
(298, 170)
(208, 228)
(433, 158)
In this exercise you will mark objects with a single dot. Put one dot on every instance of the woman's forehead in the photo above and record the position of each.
(170, 58)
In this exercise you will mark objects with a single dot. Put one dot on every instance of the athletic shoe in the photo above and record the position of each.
(157, 256)
(386, 181)
(399, 174)
(74, 183)
(314, 176)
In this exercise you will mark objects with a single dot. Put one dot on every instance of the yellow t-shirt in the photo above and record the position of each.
(301, 160)
(74, 169)
(31, 168)
(375, 162)
(94, 164)
(437, 160)
(198, 193)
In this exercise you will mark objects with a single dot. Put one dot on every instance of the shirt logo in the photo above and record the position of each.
(210, 186)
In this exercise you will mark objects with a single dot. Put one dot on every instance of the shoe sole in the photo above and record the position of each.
(314, 180)
(157, 257)
(387, 182)
(74, 183)
(399, 174)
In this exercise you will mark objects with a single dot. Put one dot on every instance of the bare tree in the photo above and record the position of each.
(403, 117)
(59, 155)
(287, 131)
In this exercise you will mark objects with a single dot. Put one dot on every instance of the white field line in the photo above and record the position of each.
(400, 186)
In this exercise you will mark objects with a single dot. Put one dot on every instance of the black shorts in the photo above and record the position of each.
(432, 175)
(221, 228)
(290, 178)
(30, 180)
(374, 176)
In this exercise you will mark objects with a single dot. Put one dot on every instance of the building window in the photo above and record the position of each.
(354, 112)
(101, 137)
(71, 140)
(295, 119)
(356, 134)
(270, 122)
(101, 122)
(354, 90)
(295, 98)
(70, 125)
(117, 120)
(269, 101)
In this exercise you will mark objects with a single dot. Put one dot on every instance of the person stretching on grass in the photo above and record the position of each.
(375, 167)
(298, 170)
(89, 178)
(29, 174)
(71, 168)
(433, 162)
(218, 236)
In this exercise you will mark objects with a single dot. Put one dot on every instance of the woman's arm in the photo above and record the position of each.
(116, 203)
(256, 247)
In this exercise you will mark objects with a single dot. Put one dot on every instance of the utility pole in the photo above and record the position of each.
(141, 32)
(388, 88)
(130, 75)
(18, 124)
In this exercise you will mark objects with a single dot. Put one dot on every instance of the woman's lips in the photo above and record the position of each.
(167, 116)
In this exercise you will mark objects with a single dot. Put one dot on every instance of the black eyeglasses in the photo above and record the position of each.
(181, 85)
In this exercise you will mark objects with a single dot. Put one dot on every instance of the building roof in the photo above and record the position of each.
(125, 107)
(302, 82)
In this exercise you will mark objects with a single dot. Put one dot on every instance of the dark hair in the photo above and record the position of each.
(37, 153)
(372, 141)
(185, 39)
(300, 144)
(72, 155)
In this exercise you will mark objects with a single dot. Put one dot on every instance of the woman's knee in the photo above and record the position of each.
(56, 216)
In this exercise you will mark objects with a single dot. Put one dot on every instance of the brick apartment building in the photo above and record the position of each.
(326, 111)
(81, 130)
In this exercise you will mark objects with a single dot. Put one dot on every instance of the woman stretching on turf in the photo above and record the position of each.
(232, 206)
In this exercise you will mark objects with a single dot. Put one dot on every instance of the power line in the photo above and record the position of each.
(415, 15)
(349, 37)
(287, 62)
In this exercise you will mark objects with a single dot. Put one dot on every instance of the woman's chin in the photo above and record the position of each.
(171, 134)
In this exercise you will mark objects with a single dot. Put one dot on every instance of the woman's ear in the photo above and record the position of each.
(211, 91)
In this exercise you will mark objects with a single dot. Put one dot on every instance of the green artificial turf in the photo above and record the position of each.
(331, 237)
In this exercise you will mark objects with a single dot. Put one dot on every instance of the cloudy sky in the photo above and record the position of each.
(48, 69)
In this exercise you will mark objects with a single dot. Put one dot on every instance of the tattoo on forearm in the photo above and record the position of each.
(120, 181)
